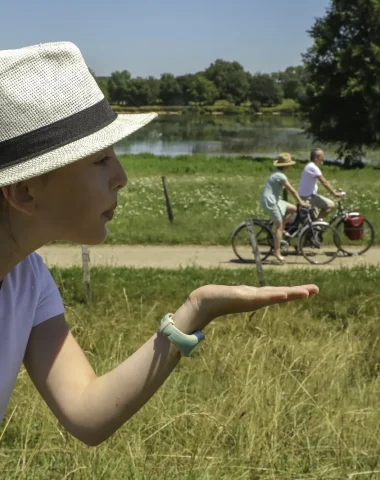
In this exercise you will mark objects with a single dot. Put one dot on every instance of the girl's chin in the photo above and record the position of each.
(90, 238)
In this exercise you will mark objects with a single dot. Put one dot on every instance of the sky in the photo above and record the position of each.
(148, 37)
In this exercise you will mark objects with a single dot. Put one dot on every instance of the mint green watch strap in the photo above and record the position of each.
(185, 343)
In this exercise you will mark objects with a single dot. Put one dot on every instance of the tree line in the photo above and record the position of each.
(222, 80)
(337, 87)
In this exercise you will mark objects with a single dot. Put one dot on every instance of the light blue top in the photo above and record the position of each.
(271, 194)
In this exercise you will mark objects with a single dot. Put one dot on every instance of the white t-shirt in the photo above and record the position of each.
(309, 184)
(28, 297)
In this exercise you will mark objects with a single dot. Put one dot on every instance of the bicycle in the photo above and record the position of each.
(318, 241)
(356, 232)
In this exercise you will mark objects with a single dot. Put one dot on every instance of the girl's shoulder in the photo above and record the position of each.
(23, 286)
(36, 261)
(33, 262)
(278, 176)
(30, 288)
(31, 269)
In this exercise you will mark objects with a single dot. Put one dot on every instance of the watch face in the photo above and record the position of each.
(200, 335)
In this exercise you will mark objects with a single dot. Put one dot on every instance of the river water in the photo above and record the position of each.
(230, 135)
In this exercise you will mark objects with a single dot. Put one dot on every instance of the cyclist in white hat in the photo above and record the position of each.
(59, 180)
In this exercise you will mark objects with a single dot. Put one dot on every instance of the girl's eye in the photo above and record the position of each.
(103, 161)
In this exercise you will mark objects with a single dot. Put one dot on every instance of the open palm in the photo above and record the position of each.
(212, 301)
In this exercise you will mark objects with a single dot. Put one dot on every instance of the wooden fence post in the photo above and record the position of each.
(86, 272)
(168, 204)
(256, 253)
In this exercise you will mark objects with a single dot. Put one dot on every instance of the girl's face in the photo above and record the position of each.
(75, 202)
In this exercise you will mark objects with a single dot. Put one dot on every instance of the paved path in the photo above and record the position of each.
(172, 257)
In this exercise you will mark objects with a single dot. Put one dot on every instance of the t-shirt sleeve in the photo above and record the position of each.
(281, 177)
(50, 302)
(316, 171)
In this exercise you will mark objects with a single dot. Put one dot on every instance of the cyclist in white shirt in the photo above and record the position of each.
(309, 184)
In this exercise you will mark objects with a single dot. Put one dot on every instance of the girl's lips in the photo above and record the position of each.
(109, 214)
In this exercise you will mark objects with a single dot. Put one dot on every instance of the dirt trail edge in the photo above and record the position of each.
(173, 257)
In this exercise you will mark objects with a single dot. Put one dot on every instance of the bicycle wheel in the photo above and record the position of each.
(241, 243)
(356, 247)
(319, 243)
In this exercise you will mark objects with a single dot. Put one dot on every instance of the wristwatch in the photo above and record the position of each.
(186, 344)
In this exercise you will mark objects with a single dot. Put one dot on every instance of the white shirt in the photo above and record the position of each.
(309, 184)
(28, 297)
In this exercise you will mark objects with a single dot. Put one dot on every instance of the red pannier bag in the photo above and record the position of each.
(353, 226)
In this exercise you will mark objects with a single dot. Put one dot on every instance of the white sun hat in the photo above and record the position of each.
(52, 111)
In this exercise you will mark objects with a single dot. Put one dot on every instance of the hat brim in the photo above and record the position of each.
(276, 163)
(123, 126)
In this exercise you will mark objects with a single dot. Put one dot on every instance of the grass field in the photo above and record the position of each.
(287, 106)
(211, 195)
(291, 393)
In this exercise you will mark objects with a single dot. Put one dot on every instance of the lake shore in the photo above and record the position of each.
(228, 135)
(287, 107)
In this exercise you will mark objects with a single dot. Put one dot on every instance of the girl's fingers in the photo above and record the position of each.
(221, 300)
(286, 293)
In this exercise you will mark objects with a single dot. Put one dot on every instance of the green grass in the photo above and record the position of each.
(210, 195)
(287, 106)
(291, 393)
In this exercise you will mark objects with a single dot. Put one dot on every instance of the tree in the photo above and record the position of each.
(119, 86)
(293, 82)
(196, 88)
(265, 90)
(343, 64)
(184, 81)
(231, 80)
(170, 90)
(202, 90)
(144, 91)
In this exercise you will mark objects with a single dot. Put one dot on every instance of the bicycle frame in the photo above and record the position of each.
(340, 213)
(306, 223)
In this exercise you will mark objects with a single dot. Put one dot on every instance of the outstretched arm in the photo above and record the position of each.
(328, 186)
(92, 408)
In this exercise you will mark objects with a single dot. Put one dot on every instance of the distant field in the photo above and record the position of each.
(287, 106)
(211, 195)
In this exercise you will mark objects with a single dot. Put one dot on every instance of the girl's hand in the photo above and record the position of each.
(212, 301)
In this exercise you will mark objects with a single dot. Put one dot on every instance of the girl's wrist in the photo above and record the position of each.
(189, 319)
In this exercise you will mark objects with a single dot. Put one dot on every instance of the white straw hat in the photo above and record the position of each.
(52, 111)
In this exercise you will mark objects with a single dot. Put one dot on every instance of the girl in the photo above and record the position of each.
(59, 180)
(270, 200)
